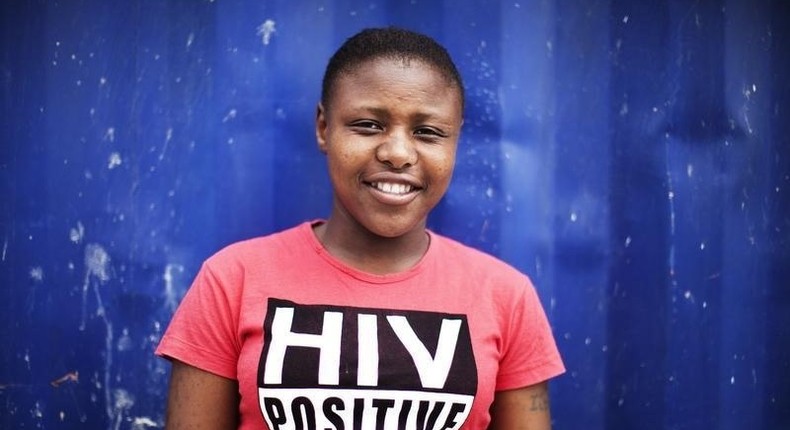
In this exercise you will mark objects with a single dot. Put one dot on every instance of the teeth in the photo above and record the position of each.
(391, 188)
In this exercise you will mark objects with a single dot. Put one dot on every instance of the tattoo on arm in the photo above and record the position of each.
(540, 402)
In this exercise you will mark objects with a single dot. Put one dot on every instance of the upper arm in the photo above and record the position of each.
(521, 409)
(200, 400)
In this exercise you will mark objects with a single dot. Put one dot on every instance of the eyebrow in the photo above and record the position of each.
(418, 116)
(374, 110)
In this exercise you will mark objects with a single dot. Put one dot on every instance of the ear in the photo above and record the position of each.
(320, 127)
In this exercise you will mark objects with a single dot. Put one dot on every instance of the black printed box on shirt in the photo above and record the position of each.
(330, 367)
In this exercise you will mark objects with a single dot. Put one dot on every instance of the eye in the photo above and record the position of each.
(366, 126)
(429, 133)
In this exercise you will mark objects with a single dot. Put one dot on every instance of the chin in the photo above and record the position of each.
(392, 230)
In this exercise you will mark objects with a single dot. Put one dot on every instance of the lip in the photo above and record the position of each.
(394, 178)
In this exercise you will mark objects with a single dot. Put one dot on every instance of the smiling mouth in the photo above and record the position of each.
(394, 188)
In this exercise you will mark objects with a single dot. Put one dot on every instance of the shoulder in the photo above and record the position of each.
(466, 255)
(253, 252)
(477, 264)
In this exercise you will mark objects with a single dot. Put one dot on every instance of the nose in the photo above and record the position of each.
(397, 151)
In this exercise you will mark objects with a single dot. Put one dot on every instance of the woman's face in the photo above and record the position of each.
(390, 134)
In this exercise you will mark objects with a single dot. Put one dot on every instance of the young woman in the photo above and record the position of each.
(366, 320)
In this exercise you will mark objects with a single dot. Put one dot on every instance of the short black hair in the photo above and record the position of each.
(392, 43)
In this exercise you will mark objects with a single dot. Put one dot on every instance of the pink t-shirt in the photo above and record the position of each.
(316, 344)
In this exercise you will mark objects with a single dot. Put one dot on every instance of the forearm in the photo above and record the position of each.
(521, 409)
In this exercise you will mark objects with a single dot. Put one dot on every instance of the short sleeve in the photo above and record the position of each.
(203, 331)
(530, 354)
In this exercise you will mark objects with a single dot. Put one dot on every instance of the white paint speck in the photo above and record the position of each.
(168, 138)
(102, 82)
(628, 241)
(747, 122)
(171, 298)
(266, 30)
(76, 234)
(702, 246)
(125, 342)
(123, 399)
(732, 380)
(625, 19)
(97, 262)
(190, 39)
(230, 115)
(689, 170)
(110, 134)
(140, 423)
(574, 217)
(37, 273)
(114, 160)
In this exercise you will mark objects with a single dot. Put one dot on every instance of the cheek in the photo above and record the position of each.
(343, 148)
(444, 165)
(343, 165)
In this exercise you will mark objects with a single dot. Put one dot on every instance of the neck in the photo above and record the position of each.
(364, 250)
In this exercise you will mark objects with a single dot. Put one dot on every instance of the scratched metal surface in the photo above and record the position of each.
(631, 156)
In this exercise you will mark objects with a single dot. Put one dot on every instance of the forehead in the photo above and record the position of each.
(397, 78)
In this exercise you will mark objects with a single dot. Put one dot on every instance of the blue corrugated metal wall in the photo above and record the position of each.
(632, 156)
